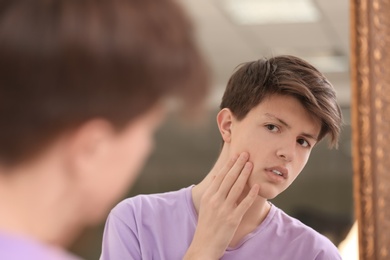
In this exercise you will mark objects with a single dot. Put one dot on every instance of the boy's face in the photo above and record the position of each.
(279, 135)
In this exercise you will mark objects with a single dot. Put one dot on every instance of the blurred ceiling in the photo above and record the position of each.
(230, 32)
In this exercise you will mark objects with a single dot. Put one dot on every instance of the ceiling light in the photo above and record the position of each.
(249, 12)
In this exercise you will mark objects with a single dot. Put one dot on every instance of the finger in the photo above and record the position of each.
(233, 174)
(238, 187)
(216, 182)
(245, 204)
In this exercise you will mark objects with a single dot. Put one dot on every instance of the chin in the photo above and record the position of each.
(268, 192)
(268, 195)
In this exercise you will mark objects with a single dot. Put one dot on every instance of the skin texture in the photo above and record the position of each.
(278, 134)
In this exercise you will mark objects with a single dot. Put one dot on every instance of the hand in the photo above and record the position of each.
(220, 212)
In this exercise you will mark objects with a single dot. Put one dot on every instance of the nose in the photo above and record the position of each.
(286, 151)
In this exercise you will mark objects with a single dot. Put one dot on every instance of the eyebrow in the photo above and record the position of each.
(271, 116)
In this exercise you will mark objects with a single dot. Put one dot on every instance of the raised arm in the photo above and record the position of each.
(220, 210)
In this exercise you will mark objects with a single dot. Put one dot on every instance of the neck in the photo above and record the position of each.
(33, 204)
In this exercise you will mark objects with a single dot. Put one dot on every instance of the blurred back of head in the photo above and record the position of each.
(63, 62)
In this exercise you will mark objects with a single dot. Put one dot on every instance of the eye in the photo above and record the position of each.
(272, 128)
(303, 142)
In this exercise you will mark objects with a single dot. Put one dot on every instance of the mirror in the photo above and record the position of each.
(235, 31)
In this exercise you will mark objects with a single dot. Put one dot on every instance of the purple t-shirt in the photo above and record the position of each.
(14, 247)
(161, 226)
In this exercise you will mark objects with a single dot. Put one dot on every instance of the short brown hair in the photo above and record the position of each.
(284, 75)
(63, 62)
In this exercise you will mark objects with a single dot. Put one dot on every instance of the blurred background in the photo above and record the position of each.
(234, 31)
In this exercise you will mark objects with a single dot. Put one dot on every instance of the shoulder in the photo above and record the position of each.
(141, 226)
(17, 247)
(146, 205)
(291, 225)
(304, 237)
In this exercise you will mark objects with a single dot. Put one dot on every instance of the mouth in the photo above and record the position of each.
(277, 172)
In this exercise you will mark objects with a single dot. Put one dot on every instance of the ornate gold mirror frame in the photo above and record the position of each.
(370, 41)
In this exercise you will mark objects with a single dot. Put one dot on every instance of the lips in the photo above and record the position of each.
(279, 171)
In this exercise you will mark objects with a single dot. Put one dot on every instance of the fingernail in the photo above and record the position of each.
(244, 155)
(248, 165)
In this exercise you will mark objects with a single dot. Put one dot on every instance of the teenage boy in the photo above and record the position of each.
(83, 86)
(273, 112)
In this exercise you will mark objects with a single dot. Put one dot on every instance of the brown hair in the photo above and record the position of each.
(63, 62)
(284, 75)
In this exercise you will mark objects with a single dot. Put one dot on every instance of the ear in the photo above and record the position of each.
(224, 121)
(87, 145)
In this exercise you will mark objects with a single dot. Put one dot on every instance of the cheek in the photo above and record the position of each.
(306, 158)
(246, 141)
(301, 163)
(134, 153)
(117, 172)
(137, 153)
(128, 159)
(258, 147)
